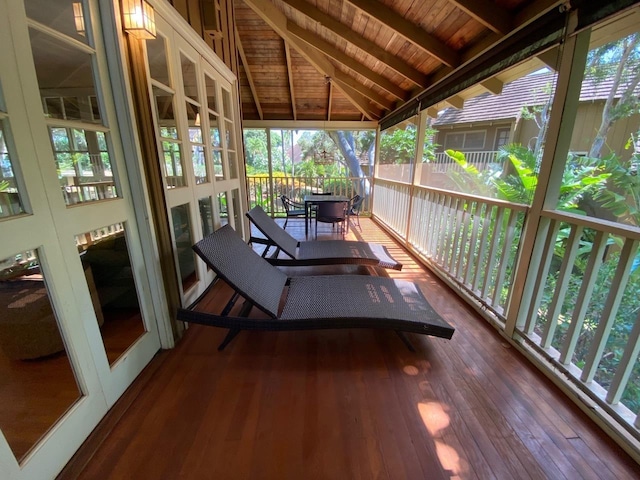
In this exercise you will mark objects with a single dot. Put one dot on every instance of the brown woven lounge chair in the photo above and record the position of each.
(325, 252)
(310, 302)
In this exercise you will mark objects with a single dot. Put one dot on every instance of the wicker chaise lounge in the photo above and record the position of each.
(325, 252)
(309, 302)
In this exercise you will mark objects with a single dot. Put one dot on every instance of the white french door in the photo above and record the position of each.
(77, 319)
(196, 129)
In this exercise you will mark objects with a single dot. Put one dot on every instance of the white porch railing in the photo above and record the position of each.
(266, 191)
(482, 160)
(471, 240)
(580, 307)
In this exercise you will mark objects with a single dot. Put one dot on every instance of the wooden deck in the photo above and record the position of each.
(349, 404)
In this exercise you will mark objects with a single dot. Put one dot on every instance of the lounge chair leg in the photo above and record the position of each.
(405, 340)
(231, 334)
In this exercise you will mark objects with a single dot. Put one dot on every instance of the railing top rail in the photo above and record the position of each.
(517, 207)
(607, 226)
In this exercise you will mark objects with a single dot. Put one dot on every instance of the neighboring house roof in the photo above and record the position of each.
(530, 90)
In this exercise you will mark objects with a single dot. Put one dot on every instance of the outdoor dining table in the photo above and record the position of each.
(310, 200)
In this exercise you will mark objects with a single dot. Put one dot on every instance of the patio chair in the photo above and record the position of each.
(311, 302)
(331, 212)
(325, 252)
(355, 205)
(292, 209)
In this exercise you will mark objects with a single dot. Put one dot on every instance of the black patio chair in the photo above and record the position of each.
(292, 209)
(355, 206)
(331, 212)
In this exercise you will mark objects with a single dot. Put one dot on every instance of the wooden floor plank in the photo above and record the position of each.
(354, 404)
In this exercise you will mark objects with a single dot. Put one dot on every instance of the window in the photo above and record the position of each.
(465, 140)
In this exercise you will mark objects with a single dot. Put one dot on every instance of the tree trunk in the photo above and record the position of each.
(346, 144)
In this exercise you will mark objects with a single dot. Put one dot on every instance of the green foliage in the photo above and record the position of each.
(4, 185)
(398, 146)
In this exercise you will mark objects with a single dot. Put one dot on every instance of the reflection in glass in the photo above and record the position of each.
(38, 382)
(10, 202)
(111, 284)
(173, 164)
(218, 169)
(233, 167)
(189, 77)
(65, 16)
(223, 208)
(226, 101)
(206, 215)
(183, 241)
(199, 164)
(193, 117)
(157, 60)
(83, 164)
(166, 114)
(66, 79)
(214, 131)
(210, 85)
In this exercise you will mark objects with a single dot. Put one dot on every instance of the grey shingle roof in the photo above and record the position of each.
(531, 90)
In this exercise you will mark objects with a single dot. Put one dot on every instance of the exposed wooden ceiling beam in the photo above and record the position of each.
(247, 71)
(487, 13)
(550, 58)
(330, 101)
(455, 101)
(492, 85)
(278, 21)
(287, 54)
(359, 87)
(432, 112)
(344, 59)
(352, 37)
(410, 31)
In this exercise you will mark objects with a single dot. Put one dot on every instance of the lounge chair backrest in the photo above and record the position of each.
(247, 272)
(273, 231)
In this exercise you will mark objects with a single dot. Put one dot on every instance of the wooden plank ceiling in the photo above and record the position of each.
(361, 59)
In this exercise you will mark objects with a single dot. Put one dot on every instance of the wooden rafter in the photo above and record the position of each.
(410, 31)
(278, 21)
(487, 13)
(287, 53)
(247, 71)
(456, 101)
(365, 45)
(492, 85)
(344, 59)
(330, 101)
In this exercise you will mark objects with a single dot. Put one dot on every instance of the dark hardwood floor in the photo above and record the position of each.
(348, 404)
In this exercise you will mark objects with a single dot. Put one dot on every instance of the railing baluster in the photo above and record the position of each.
(562, 284)
(505, 255)
(477, 215)
(620, 279)
(493, 249)
(482, 247)
(460, 203)
(584, 295)
(464, 246)
(625, 367)
(541, 276)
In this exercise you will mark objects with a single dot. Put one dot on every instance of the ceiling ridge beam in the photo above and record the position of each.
(410, 31)
(487, 13)
(344, 59)
(247, 71)
(287, 54)
(369, 47)
(278, 21)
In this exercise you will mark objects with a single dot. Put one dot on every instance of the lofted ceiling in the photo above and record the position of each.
(353, 60)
